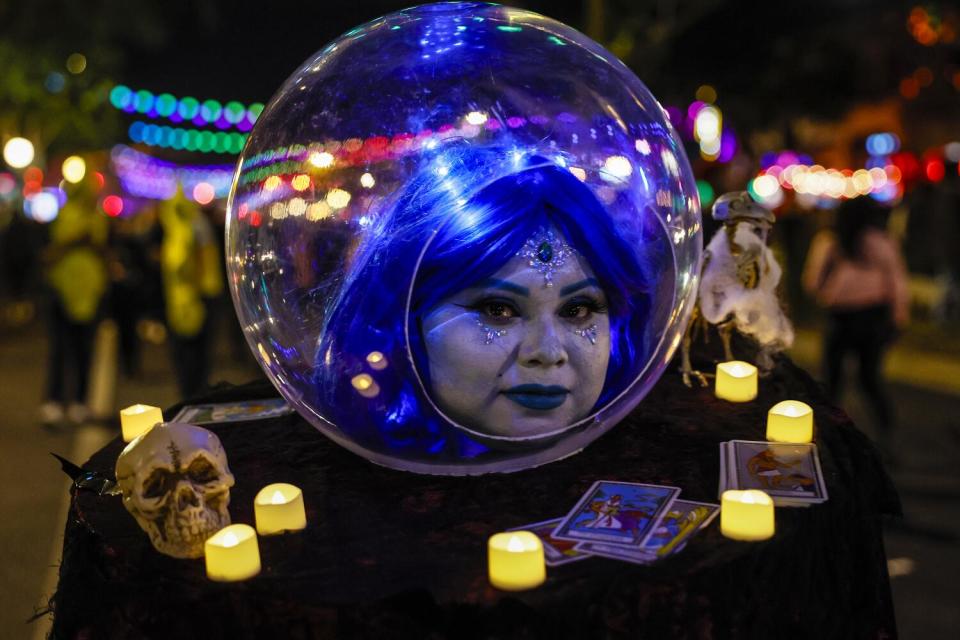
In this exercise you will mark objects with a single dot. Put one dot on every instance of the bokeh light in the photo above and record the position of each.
(73, 169)
(204, 193)
(76, 63)
(113, 206)
(42, 207)
(706, 93)
(321, 160)
(338, 198)
(18, 152)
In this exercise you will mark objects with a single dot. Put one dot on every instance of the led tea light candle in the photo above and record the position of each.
(138, 419)
(279, 508)
(232, 554)
(790, 421)
(746, 515)
(515, 561)
(736, 381)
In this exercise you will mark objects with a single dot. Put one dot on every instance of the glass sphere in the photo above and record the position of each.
(463, 238)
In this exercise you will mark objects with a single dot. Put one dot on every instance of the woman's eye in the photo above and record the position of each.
(576, 311)
(498, 310)
(581, 309)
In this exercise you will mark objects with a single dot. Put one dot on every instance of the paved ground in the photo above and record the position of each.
(923, 549)
(33, 490)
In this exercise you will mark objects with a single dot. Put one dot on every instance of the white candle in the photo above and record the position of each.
(515, 561)
(232, 554)
(790, 421)
(278, 508)
(736, 381)
(138, 419)
(746, 515)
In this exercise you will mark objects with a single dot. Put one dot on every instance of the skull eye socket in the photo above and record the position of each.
(201, 471)
(158, 484)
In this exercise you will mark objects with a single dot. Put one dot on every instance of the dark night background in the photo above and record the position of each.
(815, 77)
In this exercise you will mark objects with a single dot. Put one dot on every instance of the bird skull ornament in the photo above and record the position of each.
(176, 483)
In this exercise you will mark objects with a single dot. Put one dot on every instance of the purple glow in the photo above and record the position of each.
(492, 125)
(222, 122)
(515, 121)
(675, 115)
(787, 158)
(728, 146)
(694, 109)
(199, 121)
(767, 160)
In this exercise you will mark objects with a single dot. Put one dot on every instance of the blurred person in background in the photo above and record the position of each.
(133, 283)
(856, 273)
(192, 277)
(75, 261)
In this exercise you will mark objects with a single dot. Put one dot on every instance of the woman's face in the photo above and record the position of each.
(513, 357)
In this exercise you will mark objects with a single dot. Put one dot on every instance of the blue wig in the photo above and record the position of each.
(462, 222)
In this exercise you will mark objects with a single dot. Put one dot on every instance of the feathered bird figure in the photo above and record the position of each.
(738, 284)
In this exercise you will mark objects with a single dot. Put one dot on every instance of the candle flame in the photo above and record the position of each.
(229, 539)
(515, 544)
(277, 497)
(362, 382)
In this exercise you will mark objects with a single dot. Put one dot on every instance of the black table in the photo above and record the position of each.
(389, 554)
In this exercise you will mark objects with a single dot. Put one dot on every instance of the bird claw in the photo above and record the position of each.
(699, 377)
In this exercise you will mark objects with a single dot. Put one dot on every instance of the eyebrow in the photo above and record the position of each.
(576, 286)
(496, 283)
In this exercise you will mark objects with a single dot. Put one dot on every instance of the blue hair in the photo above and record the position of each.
(459, 240)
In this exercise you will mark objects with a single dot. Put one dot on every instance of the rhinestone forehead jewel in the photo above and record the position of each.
(546, 251)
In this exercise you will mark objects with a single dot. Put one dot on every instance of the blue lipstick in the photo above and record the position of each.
(537, 396)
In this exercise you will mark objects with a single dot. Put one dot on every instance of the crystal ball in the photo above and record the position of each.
(463, 238)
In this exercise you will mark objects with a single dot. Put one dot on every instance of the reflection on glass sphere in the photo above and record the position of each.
(463, 238)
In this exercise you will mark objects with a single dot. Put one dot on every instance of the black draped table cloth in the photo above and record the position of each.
(389, 554)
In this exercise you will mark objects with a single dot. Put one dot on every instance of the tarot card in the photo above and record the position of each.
(723, 484)
(617, 552)
(679, 524)
(233, 411)
(617, 512)
(555, 551)
(790, 473)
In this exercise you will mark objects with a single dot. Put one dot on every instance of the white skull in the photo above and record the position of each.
(176, 483)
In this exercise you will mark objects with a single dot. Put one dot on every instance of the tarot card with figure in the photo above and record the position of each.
(233, 411)
(617, 512)
(617, 552)
(555, 551)
(679, 523)
(790, 473)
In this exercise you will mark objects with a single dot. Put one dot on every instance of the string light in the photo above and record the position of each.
(186, 109)
(187, 139)
(143, 176)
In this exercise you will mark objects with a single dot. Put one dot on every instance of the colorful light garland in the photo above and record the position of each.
(146, 177)
(187, 139)
(186, 109)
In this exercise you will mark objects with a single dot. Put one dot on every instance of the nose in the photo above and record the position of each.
(186, 496)
(542, 346)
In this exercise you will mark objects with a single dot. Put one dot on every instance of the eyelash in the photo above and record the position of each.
(482, 307)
